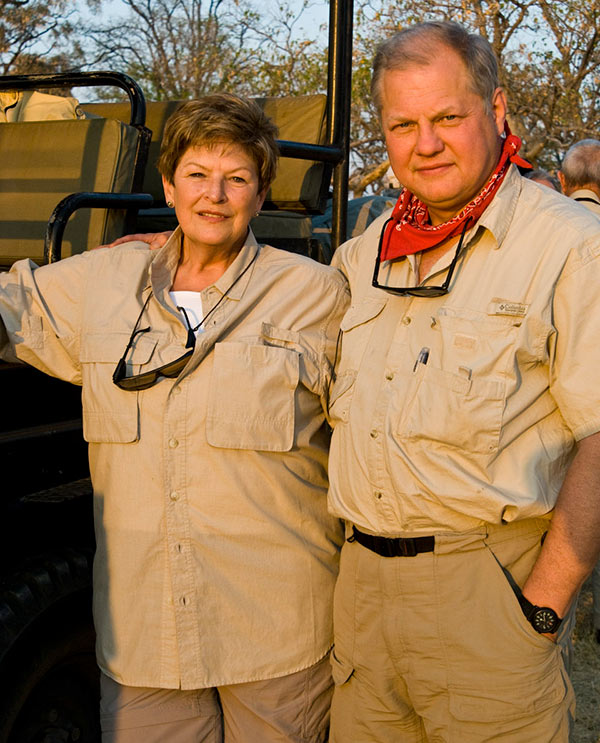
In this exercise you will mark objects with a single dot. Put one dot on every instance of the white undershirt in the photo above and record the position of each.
(192, 304)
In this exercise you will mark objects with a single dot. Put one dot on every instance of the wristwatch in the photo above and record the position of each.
(543, 619)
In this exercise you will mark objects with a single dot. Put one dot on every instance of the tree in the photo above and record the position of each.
(549, 53)
(33, 35)
(186, 48)
(174, 49)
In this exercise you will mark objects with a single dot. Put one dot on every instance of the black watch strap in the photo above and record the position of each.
(543, 619)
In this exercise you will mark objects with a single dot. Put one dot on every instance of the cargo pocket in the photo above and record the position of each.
(515, 619)
(252, 397)
(110, 414)
(500, 704)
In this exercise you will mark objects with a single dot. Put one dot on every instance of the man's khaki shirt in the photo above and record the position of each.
(588, 199)
(485, 430)
(216, 556)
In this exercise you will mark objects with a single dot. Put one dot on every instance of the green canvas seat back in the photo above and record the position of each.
(156, 118)
(42, 162)
(300, 184)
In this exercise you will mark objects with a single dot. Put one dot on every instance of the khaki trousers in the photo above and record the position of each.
(435, 648)
(290, 709)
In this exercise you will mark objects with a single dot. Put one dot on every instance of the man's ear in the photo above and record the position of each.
(563, 182)
(499, 108)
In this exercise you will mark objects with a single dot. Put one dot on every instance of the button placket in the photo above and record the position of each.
(177, 518)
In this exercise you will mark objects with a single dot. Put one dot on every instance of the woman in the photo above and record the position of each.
(204, 366)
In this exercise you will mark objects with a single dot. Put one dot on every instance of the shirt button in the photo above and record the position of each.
(389, 376)
(378, 495)
(407, 321)
(177, 391)
(173, 443)
(179, 548)
(374, 434)
(183, 601)
(174, 495)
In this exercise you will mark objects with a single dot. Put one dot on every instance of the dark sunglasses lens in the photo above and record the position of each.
(430, 291)
(417, 291)
(149, 378)
(173, 368)
(139, 382)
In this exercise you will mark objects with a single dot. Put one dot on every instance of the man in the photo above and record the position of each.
(544, 177)
(580, 174)
(580, 179)
(466, 456)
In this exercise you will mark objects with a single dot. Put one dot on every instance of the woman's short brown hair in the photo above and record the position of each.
(220, 118)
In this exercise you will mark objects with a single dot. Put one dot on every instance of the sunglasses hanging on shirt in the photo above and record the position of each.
(423, 290)
(171, 370)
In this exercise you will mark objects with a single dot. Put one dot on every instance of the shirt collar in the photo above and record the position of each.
(499, 214)
(247, 254)
(165, 262)
(584, 193)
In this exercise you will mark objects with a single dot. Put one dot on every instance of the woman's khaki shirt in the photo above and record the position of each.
(216, 556)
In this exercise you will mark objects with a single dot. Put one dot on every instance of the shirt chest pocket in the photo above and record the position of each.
(252, 397)
(110, 414)
(457, 399)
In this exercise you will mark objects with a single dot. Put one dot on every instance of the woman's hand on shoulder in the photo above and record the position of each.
(155, 240)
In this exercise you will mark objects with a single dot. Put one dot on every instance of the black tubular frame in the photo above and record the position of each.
(339, 90)
(67, 206)
(81, 80)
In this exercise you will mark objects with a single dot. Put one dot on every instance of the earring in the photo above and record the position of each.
(257, 214)
(170, 204)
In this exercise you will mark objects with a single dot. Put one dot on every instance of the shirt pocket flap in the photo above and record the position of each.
(363, 312)
(279, 336)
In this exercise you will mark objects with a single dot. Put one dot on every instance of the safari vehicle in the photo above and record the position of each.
(67, 186)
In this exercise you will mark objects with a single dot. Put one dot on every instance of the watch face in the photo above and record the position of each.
(545, 620)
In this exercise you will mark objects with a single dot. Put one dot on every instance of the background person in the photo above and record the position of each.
(580, 173)
(204, 368)
(465, 457)
(539, 175)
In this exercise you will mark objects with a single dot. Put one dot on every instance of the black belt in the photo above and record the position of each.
(393, 547)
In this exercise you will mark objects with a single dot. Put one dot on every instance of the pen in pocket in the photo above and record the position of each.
(422, 358)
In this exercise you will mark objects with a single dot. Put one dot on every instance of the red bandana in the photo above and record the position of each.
(409, 231)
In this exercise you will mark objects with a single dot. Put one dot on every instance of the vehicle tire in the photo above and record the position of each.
(48, 671)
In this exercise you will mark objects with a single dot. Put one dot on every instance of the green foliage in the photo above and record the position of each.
(549, 53)
(33, 36)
